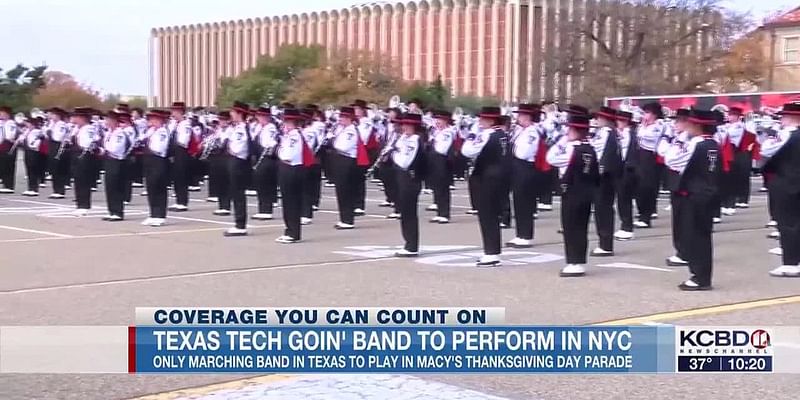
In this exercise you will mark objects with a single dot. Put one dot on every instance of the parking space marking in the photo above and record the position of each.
(46, 233)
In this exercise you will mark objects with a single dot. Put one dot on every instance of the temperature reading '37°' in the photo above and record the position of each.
(699, 363)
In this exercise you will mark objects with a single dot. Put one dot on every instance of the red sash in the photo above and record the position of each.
(308, 156)
(362, 157)
(541, 163)
(727, 154)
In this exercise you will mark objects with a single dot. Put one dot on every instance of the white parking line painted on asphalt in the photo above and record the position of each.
(46, 233)
(201, 220)
(127, 234)
(623, 265)
(189, 275)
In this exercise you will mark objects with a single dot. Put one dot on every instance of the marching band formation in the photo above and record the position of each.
(513, 164)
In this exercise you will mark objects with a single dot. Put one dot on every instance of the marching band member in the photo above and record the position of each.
(489, 180)
(606, 144)
(724, 200)
(350, 155)
(238, 145)
(8, 152)
(577, 164)
(694, 167)
(529, 171)
(408, 159)
(117, 145)
(85, 139)
(35, 155)
(57, 142)
(183, 142)
(554, 129)
(313, 131)
(139, 125)
(385, 167)
(626, 188)
(649, 134)
(440, 174)
(783, 180)
(265, 170)
(217, 169)
(681, 123)
(156, 166)
(745, 150)
(295, 157)
(370, 143)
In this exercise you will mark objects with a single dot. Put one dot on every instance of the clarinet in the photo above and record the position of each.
(384, 156)
(267, 152)
(210, 145)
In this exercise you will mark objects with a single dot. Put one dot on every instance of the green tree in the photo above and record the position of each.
(19, 84)
(269, 80)
(471, 104)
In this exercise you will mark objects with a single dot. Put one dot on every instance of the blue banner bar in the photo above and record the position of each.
(468, 349)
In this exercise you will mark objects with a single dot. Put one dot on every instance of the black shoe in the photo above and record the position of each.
(692, 288)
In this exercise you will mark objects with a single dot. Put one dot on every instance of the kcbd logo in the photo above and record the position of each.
(759, 338)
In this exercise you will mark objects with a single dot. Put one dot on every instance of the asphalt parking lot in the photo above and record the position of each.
(61, 270)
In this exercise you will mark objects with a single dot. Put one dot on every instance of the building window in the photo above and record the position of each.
(791, 49)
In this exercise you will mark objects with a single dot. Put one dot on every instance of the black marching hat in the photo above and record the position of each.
(490, 112)
(606, 112)
(790, 109)
(579, 121)
(410, 119)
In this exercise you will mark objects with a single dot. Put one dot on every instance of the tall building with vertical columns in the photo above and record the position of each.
(500, 48)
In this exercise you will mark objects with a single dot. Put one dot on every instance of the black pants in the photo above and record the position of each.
(181, 174)
(694, 216)
(460, 166)
(83, 171)
(626, 191)
(787, 214)
(742, 168)
(8, 168)
(727, 188)
(311, 189)
(408, 189)
(265, 180)
(575, 211)
(676, 223)
(239, 179)
(440, 176)
(361, 188)
(647, 190)
(604, 211)
(388, 176)
(549, 185)
(292, 180)
(346, 175)
(156, 176)
(489, 190)
(218, 180)
(137, 168)
(526, 182)
(59, 169)
(35, 165)
(117, 185)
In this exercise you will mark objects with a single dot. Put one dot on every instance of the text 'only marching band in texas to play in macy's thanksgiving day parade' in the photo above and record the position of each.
(602, 162)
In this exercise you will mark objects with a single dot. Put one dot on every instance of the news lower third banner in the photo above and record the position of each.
(387, 340)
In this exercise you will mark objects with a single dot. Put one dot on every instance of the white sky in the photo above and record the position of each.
(104, 43)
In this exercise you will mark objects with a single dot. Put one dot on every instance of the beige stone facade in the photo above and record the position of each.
(483, 47)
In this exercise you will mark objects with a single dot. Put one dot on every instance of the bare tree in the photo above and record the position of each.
(643, 47)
